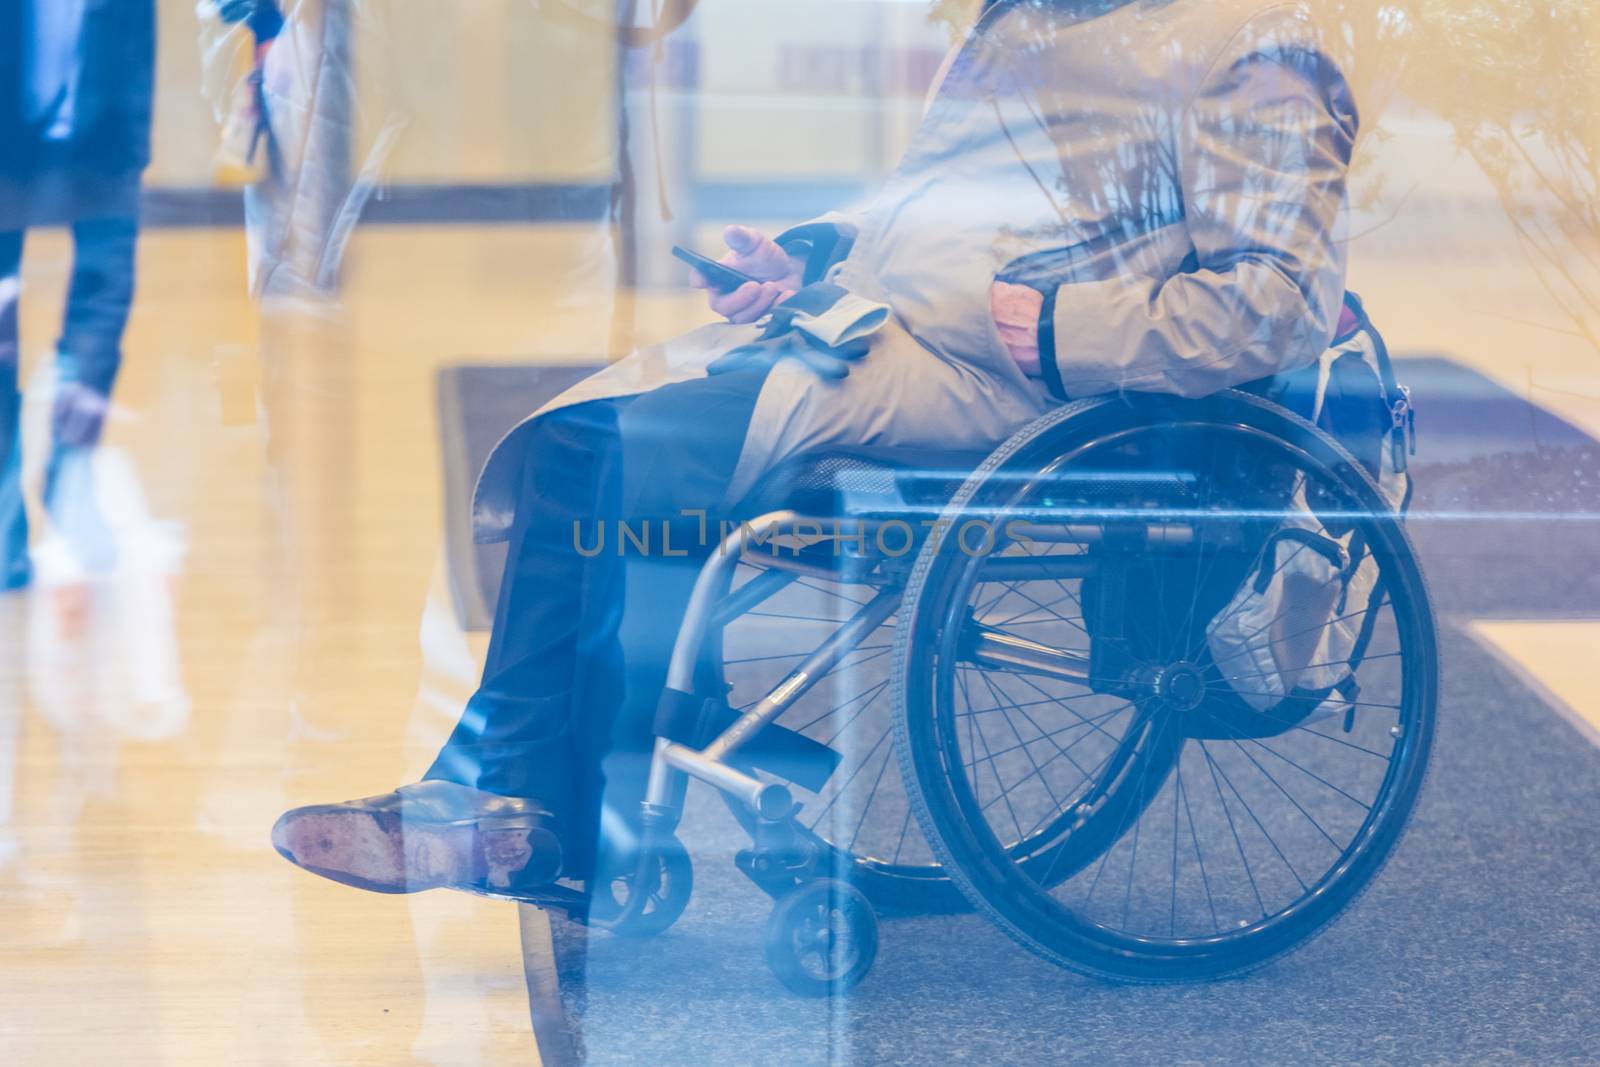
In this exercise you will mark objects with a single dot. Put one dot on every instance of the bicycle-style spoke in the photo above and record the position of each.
(1172, 904)
(866, 694)
(1037, 606)
(1313, 666)
(1289, 796)
(1004, 792)
(834, 592)
(1386, 757)
(1048, 608)
(876, 691)
(1061, 753)
(866, 805)
(861, 809)
(1049, 735)
(827, 620)
(1090, 777)
(1313, 774)
(1025, 680)
(850, 778)
(1025, 704)
(1254, 818)
(1340, 701)
(1199, 856)
(1238, 736)
(1128, 815)
(1133, 857)
(1233, 828)
(900, 842)
(1083, 722)
(1026, 751)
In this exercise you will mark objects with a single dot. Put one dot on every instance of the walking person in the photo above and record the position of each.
(76, 88)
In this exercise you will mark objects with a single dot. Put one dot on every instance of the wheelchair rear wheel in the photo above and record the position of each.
(1190, 809)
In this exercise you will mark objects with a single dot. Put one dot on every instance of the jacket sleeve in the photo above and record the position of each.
(1263, 148)
(823, 241)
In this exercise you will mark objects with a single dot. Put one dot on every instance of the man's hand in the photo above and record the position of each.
(79, 413)
(780, 274)
(237, 10)
(1016, 313)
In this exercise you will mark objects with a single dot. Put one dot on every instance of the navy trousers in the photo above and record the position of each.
(563, 712)
(90, 348)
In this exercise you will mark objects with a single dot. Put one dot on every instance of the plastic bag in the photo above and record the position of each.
(1298, 619)
(102, 645)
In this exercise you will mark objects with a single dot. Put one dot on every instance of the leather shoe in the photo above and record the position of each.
(434, 834)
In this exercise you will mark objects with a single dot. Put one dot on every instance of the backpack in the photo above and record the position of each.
(1300, 619)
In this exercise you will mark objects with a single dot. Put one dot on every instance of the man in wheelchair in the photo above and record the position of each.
(1104, 196)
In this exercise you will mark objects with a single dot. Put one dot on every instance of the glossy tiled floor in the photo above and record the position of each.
(150, 922)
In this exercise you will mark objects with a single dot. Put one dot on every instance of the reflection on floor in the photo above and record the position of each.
(147, 920)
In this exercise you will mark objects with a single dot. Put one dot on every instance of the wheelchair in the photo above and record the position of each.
(929, 681)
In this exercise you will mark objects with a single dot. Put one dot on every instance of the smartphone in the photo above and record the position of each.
(723, 278)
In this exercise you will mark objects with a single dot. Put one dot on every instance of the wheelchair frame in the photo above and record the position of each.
(674, 762)
(784, 859)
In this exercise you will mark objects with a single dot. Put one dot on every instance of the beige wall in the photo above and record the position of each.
(487, 91)
(819, 89)
(476, 91)
(508, 91)
(184, 135)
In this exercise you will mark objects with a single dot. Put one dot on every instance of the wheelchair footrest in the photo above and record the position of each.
(794, 757)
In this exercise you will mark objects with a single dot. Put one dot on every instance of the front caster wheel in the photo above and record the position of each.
(822, 938)
(666, 883)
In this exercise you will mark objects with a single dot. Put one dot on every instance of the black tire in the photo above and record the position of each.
(822, 938)
(1256, 458)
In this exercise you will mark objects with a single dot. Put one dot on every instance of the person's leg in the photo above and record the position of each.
(555, 659)
(513, 738)
(13, 518)
(484, 815)
(546, 714)
(98, 300)
(680, 446)
(88, 356)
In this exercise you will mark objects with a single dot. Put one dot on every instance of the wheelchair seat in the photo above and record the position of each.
(917, 483)
(864, 480)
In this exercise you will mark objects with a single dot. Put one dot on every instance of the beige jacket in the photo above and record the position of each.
(1170, 173)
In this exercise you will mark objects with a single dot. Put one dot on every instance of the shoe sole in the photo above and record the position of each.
(379, 852)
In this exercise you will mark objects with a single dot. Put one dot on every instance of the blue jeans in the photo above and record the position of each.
(90, 350)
